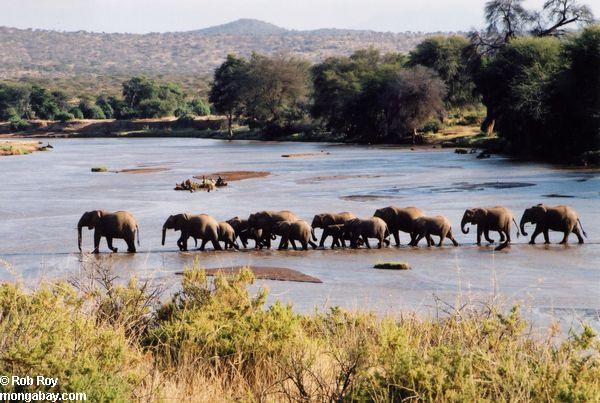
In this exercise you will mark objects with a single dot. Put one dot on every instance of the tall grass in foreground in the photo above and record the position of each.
(214, 341)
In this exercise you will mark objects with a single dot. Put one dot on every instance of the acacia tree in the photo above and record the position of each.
(412, 98)
(227, 89)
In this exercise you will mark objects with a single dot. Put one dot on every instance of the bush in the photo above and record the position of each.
(17, 124)
(200, 107)
(433, 126)
(100, 168)
(186, 120)
(76, 112)
(64, 116)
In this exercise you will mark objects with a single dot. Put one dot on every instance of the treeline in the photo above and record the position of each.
(141, 98)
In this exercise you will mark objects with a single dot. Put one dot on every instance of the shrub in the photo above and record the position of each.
(200, 107)
(64, 116)
(17, 124)
(76, 112)
(432, 126)
(101, 168)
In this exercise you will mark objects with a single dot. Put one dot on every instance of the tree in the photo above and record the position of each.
(89, 109)
(274, 89)
(412, 98)
(137, 89)
(43, 103)
(14, 101)
(227, 89)
(103, 102)
(450, 57)
(199, 107)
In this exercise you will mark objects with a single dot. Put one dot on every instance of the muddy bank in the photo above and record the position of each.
(232, 176)
(305, 155)
(266, 273)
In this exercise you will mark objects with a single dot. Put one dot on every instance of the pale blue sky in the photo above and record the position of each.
(141, 16)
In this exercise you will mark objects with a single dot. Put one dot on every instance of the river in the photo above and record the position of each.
(43, 195)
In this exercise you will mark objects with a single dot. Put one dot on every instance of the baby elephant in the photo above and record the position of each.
(337, 233)
(291, 231)
(440, 226)
(227, 235)
(359, 229)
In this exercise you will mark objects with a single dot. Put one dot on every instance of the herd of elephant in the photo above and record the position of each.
(263, 227)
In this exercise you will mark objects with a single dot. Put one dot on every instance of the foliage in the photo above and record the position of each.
(42, 103)
(14, 100)
(214, 341)
(199, 107)
(451, 58)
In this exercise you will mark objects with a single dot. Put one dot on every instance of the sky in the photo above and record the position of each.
(142, 16)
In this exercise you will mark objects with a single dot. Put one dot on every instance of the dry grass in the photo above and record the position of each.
(214, 341)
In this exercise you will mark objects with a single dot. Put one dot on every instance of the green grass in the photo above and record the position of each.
(392, 266)
(215, 341)
(101, 168)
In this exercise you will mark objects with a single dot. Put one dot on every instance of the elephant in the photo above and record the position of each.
(438, 226)
(364, 229)
(339, 236)
(242, 230)
(555, 218)
(227, 235)
(196, 226)
(117, 225)
(399, 219)
(264, 221)
(499, 219)
(291, 231)
(326, 219)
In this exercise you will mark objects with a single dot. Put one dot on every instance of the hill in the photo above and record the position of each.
(31, 54)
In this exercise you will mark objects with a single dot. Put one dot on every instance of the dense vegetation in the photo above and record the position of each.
(213, 341)
(539, 84)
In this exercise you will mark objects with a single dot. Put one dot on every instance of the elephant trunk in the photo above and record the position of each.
(164, 235)
(462, 226)
(79, 236)
(522, 226)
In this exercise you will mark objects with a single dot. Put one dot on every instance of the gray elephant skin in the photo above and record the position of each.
(292, 231)
(399, 219)
(498, 219)
(364, 229)
(326, 219)
(265, 220)
(552, 218)
(201, 226)
(243, 231)
(117, 225)
(439, 226)
(227, 235)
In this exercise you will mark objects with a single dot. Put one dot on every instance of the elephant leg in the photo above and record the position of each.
(429, 240)
(486, 234)
(283, 243)
(536, 232)
(109, 242)
(416, 240)
(130, 244)
(304, 245)
(293, 244)
(97, 238)
(366, 241)
(397, 237)
(451, 237)
(322, 241)
(442, 238)
(577, 232)
(380, 245)
(502, 237)
(546, 237)
(216, 244)
(311, 243)
(203, 244)
(479, 232)
(507, 235)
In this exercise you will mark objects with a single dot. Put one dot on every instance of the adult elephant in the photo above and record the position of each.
(548, 218)
(264, 221)
(292, 231)
(399, 219)
(440, 226)
(326, 219)
(363, 229)
(498, 219)
(117, 225)
(201, 226)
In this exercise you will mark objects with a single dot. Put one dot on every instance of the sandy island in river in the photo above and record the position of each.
(266, 273)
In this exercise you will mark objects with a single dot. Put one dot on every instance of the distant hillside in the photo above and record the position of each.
(53, 54)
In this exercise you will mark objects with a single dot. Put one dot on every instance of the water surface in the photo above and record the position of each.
(43, 195)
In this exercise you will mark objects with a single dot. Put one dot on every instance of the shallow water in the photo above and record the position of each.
(43, 195)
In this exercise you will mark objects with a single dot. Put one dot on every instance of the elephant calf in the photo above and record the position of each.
(548, 218)
(227, 235)
(359, 229)
(399, 219)
(117, 225)
(291, 231)
(440, 226)
(243, 231)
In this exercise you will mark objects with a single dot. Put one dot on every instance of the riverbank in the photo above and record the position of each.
(215, 341)
(213, 127)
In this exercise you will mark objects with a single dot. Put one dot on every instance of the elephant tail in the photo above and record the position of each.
(137, 229)
(516, 225)
(582, 230)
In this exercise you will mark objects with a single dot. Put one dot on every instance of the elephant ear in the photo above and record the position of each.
(480, 213)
